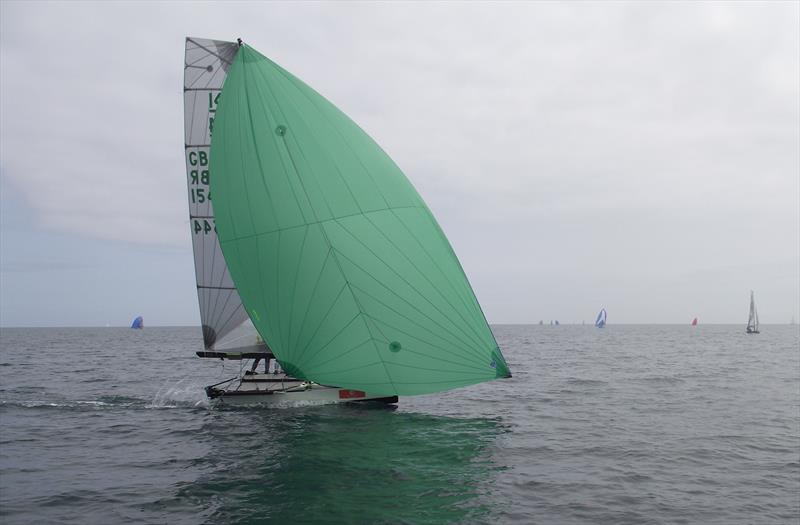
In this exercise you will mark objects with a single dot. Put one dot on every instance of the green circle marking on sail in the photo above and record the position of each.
(280, 130)
(394, 346)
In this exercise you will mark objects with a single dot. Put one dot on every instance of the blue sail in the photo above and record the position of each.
(600, 322)
(138, 323)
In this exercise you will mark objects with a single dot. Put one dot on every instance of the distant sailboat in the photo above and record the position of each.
(600, 322)
(694, 321)
(138, 323)
(752, 320)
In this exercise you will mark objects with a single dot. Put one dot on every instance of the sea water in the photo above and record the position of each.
(628, 424)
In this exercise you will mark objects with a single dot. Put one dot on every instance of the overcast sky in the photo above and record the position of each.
(643, 157)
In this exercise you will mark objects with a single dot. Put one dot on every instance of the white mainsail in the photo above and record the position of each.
(752, 320)
(221, 312)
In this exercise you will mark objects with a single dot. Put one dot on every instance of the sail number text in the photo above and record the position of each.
(199, 176)
(204, 226)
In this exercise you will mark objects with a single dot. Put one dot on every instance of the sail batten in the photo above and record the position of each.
(325, 237)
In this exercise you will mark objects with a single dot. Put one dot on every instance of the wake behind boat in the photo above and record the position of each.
(318, 254)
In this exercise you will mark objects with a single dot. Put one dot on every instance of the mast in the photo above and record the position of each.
(205, 68)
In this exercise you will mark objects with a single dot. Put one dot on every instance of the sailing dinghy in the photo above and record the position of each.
(318, 257)
(600, 322)
(752, 319)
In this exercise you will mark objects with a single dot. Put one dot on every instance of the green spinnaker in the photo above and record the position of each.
(339, 262)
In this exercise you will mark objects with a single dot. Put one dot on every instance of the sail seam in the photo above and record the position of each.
(477, 342)
(420, 272)
(467, 300)
(291, 80)
(312, 295)
(299, 355)
(479, 359)
(294, 286)
(407, 302)
(320, 222)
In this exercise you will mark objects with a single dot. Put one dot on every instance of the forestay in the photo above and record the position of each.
(339, 262)
(205, 68)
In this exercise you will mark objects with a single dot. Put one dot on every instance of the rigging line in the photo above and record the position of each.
(478, 341)
(331, 159)
(294, 286)
(217, 287)
(466, 302)
(299, 355)
(302, 357)
(413, 307)
(201, 46)
(479, 360)
(293, 80)
(458, 311)
(311, 297)
(468, 350)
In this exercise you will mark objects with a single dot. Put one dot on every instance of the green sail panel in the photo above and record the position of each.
(337, 259)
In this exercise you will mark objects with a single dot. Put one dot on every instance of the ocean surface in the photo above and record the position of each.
(629, 424)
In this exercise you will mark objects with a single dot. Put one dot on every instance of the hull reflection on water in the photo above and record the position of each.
(347, 464)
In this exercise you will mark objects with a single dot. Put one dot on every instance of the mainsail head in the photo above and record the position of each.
(341, 265)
